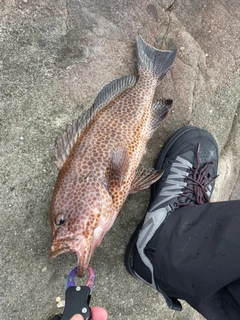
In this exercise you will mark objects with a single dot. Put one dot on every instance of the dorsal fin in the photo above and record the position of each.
(113, 89)
(109, 92)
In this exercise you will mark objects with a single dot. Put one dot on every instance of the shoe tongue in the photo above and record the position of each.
(187, 198)
(190, 156)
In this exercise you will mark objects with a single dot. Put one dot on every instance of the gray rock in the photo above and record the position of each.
(55, 56)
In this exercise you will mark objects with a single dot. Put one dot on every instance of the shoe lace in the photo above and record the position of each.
(192, 185)
(199, 184)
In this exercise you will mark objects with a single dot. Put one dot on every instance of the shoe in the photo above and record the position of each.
(189, 159)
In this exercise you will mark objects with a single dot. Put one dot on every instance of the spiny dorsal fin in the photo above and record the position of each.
(160, 110)
(144, 178)
(109, 92)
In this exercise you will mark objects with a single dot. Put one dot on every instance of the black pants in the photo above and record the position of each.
(197, 258)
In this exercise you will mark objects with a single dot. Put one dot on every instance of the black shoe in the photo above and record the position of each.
(189, 159)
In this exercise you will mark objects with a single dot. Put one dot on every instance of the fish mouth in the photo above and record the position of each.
(55, 253)
(62, 246)
(71, 245)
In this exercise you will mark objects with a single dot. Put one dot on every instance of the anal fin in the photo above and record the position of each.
(160, 110)
(144, 178)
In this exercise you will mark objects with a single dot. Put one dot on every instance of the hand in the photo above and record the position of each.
(97, 314)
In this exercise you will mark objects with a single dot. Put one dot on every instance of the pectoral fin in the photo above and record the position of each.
(119, 164)
(144, 178)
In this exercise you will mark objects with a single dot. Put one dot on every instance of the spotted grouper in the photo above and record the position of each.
(98, 156)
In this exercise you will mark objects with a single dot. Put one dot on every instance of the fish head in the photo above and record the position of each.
(81, 212)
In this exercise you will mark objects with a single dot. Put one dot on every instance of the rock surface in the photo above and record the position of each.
(55, 56)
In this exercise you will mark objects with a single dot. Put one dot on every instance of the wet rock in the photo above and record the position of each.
(55, 56)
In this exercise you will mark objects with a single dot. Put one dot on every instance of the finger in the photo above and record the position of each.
(77, 317)
(98, 313)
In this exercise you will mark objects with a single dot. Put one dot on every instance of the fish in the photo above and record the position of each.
(99, 155)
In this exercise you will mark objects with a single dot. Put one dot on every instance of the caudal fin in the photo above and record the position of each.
(157, 62)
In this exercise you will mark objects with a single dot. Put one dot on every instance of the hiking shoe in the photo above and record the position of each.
(189, 159)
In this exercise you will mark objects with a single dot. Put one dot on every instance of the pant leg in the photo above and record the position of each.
(223, 305)
(197, 257)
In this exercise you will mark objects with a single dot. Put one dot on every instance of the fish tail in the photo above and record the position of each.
(157, 62)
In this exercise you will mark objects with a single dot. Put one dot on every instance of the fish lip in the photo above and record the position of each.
(55, 253)
(61, 246)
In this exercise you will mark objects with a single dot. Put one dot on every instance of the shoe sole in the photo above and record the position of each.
(129, 253)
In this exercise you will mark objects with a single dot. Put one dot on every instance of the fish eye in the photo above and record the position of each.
(60, 219)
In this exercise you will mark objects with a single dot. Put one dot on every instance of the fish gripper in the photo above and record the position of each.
(77, 298)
